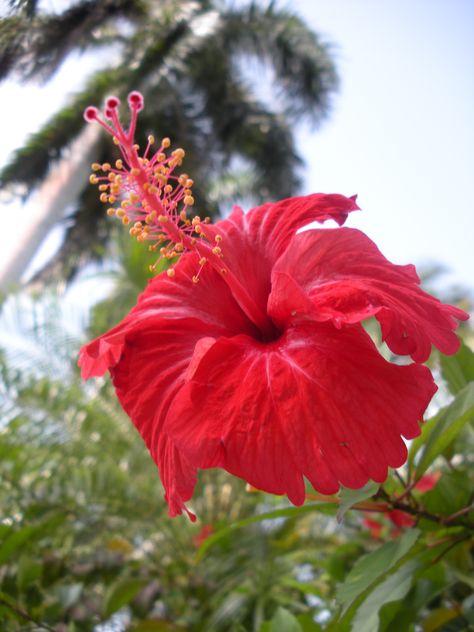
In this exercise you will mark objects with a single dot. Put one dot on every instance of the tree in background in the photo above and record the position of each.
(187, 57)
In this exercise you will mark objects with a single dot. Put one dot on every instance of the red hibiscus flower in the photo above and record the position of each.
(249, 353)
(205, 532)
(374, 527)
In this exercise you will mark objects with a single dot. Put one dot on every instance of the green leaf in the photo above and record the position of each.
(121, 594)
(452, 493)
(14, 542)
(155, 625)
(284, 621)
(438, 618)
(393, 588)
(371, 568)
(350, 497)
(458, 370)
(307, 623)
(287, 512)
(29, 570)
(440, 431)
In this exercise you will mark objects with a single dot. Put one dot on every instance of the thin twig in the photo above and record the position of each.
(459, 513)
(454, 543)
(26, 616)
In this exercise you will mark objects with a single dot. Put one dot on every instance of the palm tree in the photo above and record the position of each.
(188, 58)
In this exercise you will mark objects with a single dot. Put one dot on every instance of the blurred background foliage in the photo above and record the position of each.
(190, 59)
(85, 540)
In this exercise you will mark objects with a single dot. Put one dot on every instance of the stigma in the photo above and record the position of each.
(147, 191)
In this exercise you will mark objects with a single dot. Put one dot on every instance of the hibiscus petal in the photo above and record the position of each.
(252, 242)
(152, 351)
(209, 301)
(149, 375)
(340, 275)
(318, 403)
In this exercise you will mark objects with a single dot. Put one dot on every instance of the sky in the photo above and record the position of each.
(400, 133)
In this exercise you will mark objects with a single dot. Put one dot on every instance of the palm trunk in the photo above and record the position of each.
(63, 185)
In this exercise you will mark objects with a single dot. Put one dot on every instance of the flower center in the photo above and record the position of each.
(146, 193)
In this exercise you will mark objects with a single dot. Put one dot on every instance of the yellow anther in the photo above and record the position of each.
(151, 139)
(179, 153)
(193, 241)
(202, 261)
(136, 147)
(151, 268)
(150, 218)
(146, 186)
(216, 250)
(93, 179)
(189, 183)
(111, 177)
(133, 197)
(196, 220)
(168, 188)
(198, 229)
(120, 212)
(165, 142)
(104, 198)
(170, 272)
(189, 200)
(125, 220)
(124, 203)
(118, 179)
(137, 225)
(115, 140)
(179, 247)
(106, 166)
(95, 166)
(112, 198)
(182, 216)
(103, 187)
(207, 220)
(195, 279)
(162, 219)
(135, 171)
(110, 212)
(152, 189)
(160, 157)
(119, 164)
(218, 238)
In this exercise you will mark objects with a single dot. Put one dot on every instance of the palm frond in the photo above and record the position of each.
(303, 68)
(25, 7)
(30, 164)
(13, 31)
(45, 41)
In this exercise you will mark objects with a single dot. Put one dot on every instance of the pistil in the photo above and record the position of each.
(155, 201)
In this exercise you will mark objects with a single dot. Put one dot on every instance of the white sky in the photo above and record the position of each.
(401, 133)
